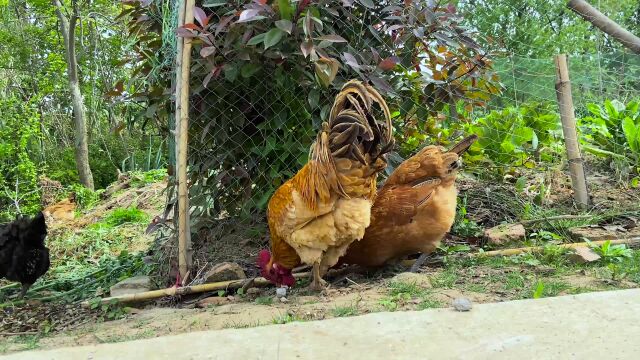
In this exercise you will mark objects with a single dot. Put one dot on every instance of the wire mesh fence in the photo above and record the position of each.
(263, 80)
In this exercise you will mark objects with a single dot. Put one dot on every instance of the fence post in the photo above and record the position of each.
(567, 115)
(182, 143)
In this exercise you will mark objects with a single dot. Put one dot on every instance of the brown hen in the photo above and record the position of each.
(414, 209)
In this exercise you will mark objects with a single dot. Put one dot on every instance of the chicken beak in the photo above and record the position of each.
(464, 145)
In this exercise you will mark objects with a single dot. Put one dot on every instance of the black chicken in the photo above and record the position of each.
(23, 256)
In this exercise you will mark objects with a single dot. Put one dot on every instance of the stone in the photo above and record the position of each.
(133, 285)
(281, 292)
(505, 233)
(225, 271)
(462, 304)
(602, 233)
(583, 255)
(412, 278)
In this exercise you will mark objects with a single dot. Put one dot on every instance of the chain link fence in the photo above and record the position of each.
(263, 79)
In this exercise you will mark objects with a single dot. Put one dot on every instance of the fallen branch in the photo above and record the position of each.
(18, 333)
(186, 290)
(559, 217)
(259, 281)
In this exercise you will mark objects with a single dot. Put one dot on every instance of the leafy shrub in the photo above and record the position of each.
(19, 127)
(516, 136)
(613, 131)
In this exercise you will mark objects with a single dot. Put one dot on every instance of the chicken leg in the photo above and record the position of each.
(419, 262)
(317, 283)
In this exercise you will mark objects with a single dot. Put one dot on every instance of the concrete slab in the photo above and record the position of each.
(603, 325)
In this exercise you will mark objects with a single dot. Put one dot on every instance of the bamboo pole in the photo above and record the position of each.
(599, 20)
(182, 142)
(173, 291)
(536, 249)
(567, 116)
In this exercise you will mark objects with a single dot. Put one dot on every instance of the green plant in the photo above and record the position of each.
(516, 136)
(122, 216)
(539, 290)
(344, 311)
(613, 131)
(462, 225)
(611, 253)
(19, 131)
(264, 300)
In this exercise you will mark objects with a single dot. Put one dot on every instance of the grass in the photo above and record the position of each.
(127, 337)
(401, 293)
(285, 319)
(445, 279)
(264, 300)
(344, 311)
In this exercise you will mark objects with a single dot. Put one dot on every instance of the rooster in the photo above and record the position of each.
(23, 255)
(414, 209)
(317, 214)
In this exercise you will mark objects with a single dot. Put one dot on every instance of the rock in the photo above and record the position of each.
(281, 292)
(213, 301)
(583, 255)
(599, 233)
(284, 300)
(412, 278)
(225, 271)
(134, 285)
(462, 304)
(505, 233)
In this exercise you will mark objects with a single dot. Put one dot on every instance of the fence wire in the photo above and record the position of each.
(251, 125)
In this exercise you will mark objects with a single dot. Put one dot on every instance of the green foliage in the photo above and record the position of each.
(85, 198)
(269, 75)
(462, 225)
(516, 136)
(613, 131)
(611, 253)
(19, 130)
(122, 216)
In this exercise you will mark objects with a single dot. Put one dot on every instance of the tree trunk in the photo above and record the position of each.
(67, 28)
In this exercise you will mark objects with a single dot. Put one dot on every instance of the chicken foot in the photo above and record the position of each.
(317, 284)
(419, 262)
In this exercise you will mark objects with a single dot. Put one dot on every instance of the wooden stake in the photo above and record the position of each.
(182, 144)
(605, 24)
(567, 115)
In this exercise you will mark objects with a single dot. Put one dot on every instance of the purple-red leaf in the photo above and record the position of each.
(306, 47)
(223, 24)
(248, 15)
(191, 26)
(332, 38)
(182, 32)
(200, 15)
(207, 51)
(388, 63)
(351, 60)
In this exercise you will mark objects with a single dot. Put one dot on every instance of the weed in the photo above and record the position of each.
(344, 311)
(429, 304)
(264, 300)
(286, 318)
(30, 342)
(128, 215)
(401, 292)
(549, 289)
(445, 279)
(514, 280)
(539, 291)
(611, 253)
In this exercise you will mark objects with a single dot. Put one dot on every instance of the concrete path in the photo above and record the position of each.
(603, 325)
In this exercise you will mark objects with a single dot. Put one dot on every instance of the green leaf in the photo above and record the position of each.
(284, 25)
(314, 99)
(256, 39)
(214, 3)
(286, 9)
(539, 290)
(249, 69)
(367, 3)
(230, 72)
(631, 134)
(272, 37)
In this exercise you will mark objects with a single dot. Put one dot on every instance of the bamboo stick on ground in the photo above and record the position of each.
(235, 284)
